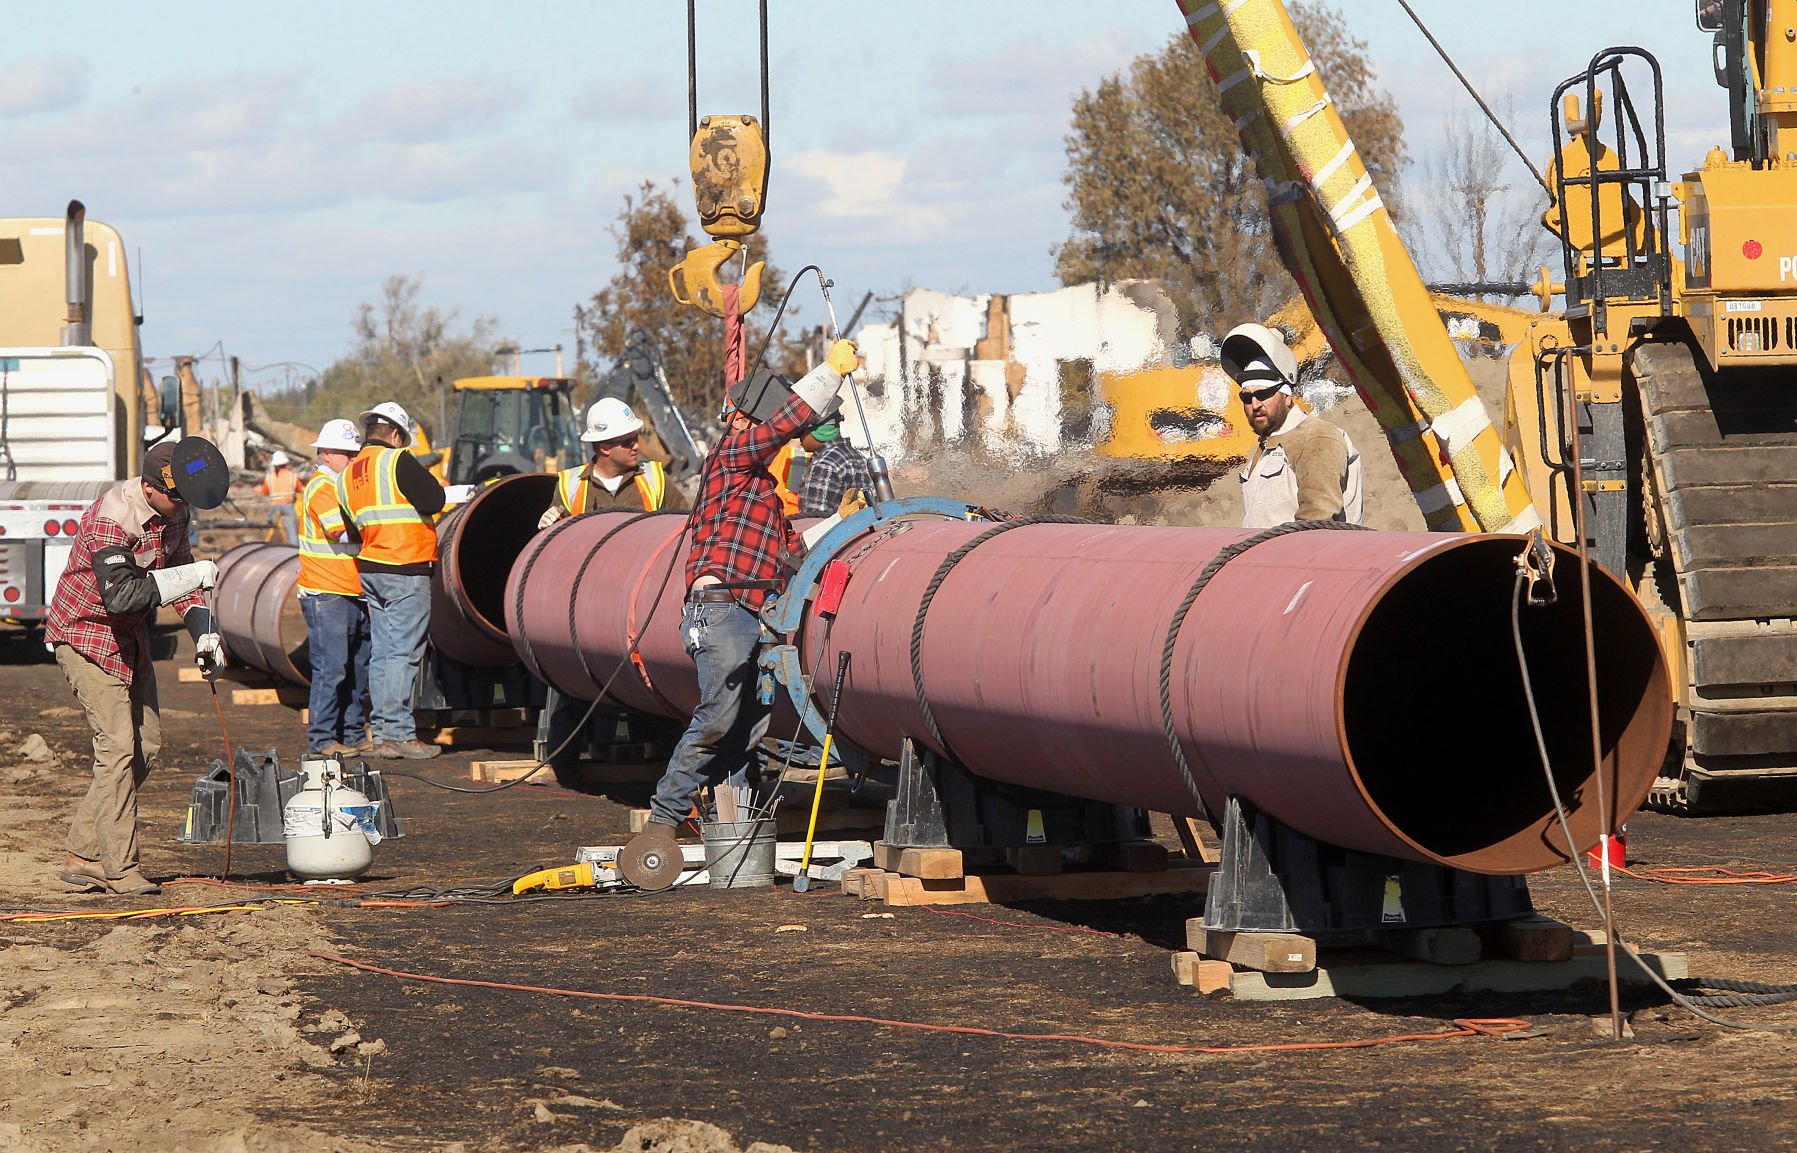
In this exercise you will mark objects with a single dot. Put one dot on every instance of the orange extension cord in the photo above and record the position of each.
(1706, 875)
(1466, 1026)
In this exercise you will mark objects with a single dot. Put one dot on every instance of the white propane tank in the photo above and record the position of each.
(329, 827)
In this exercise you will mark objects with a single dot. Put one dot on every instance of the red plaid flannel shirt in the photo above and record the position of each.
(78, 618)
(740, 528)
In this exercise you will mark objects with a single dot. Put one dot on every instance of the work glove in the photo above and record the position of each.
(844, 357)
(174, 583)
(549, 517)
(208, 653)
(853, 501)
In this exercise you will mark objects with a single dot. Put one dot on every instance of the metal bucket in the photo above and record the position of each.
(739, 854)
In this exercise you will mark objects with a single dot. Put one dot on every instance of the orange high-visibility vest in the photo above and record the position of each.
(280, 486)
(327, 565)
(393, 532)
(781, 467)
(651, 486)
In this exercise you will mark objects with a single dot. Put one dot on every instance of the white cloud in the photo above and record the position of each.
(860, 186)
(46, 83)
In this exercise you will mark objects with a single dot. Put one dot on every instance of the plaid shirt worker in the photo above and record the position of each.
(78, 617)
(835, 468)
(739, 528)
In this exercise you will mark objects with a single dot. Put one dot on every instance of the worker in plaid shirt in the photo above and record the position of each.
(836, 469)
(739, 533)
(130, 555)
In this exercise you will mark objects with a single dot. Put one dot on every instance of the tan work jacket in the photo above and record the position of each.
(1308, 470)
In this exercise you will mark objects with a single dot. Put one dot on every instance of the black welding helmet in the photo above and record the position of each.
(191, 468)
(759, 396)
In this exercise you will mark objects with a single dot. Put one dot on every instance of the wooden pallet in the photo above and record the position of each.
(237, 674)
(895, 889)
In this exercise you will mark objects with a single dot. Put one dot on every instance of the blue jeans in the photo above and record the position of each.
(337, 642)
(399, 617)
(727, 727)
(288, 516)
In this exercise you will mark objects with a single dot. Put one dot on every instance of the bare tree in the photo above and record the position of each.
(1481, 215)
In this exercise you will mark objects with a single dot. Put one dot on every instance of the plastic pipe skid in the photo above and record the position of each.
(1361, 687)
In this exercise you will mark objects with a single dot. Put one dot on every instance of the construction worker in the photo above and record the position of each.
(616, 476)
(388, 500)
(330, 592)
(739, 535)
(280, 487)
(837, 468)
(129, 556)
(1304, 468)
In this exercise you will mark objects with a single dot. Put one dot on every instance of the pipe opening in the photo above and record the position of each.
(1436, 722)
(490, 533)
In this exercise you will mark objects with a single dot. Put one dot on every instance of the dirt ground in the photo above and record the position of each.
(221, 1031)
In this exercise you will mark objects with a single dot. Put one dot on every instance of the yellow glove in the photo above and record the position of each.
(853, 501)
(844, 357)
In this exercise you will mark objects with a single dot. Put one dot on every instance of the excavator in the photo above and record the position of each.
(1651, 415)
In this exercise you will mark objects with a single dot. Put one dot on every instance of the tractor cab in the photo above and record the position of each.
(513, 424)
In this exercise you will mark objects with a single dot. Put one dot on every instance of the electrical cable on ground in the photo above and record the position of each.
(1688, 1003)
(1464, 1026)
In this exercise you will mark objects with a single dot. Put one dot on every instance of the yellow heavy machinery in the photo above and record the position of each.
(1190, 414)
(1656, 408)
(1662, 398)
(513, 424)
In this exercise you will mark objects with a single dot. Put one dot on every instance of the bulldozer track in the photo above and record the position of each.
(1723, 483)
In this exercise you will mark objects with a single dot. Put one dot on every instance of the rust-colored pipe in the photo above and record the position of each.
(257, 612)
(476, 544)
(1360, 687)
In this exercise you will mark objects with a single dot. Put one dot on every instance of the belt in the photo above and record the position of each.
(710, 596)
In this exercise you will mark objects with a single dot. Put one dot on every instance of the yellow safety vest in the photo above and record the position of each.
(327, 565)
(393, 532)
(651, 485)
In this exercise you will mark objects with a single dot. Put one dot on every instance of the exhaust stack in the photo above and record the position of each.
(76, 331)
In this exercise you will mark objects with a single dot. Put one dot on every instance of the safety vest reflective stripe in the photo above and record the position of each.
(573, 489)
(652, 482)
(392, 530)
(327, 565)
(651, 486)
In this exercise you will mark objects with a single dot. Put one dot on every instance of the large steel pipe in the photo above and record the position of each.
(258, 614)
(1360, 687)
(476, 544)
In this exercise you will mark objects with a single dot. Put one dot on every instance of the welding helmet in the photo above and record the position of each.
(192, 469)
(1256, 354)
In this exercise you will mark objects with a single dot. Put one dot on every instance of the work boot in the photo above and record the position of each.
(412, 750)
(132, 883)
(80, 875)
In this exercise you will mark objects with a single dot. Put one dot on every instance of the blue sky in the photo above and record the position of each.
(276, 163)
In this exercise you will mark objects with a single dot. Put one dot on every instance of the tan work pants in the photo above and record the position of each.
(127, 736)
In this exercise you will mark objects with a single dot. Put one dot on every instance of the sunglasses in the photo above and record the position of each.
(1256, 395)
(621, 442)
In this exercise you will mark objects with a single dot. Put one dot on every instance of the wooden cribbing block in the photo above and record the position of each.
(281, 696)
(1536, 938)
(1440, 945)
(1134, 856)
(1185, 966)
(930, 864)
(1377, 974)
(1037, 860)
(483, 737)
(1003, 888)
(499, 772)
(1262, 952)
(1204, 974)
(639, 820)
(1195, 839)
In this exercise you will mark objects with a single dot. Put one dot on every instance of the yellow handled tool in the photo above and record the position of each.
(802, 882)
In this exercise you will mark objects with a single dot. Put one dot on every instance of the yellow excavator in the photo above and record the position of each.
(1655, 408)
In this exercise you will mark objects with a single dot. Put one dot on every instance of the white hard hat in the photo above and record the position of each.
(1254, 352)
(278, 459)
(389, 411)
(608, 419)
(338, 434)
